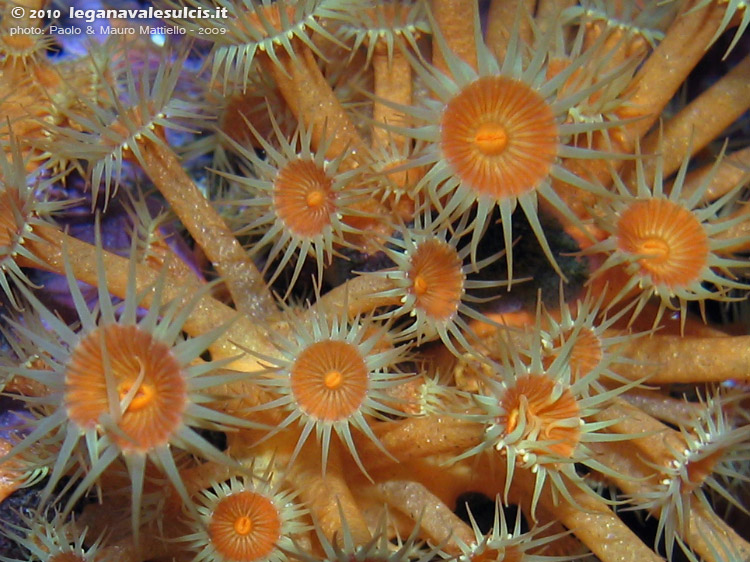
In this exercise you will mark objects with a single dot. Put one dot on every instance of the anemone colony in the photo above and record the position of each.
(440, 248)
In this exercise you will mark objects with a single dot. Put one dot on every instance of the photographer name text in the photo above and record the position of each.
(150, 13)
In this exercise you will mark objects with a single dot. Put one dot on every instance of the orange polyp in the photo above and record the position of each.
(491, 139)
(304, 198)
(585, 354)
(315, 198)
(531, 397)
(19, 43)
(671, 242)
(437, 279)
(333, 379)
(26, 104)
(699, 469)
(155, 412)
(245, 527)
(330, 380)
(420, 285)
(142, 398)
(511, 421)
(499, 136)
(125, 126)
(656, 249)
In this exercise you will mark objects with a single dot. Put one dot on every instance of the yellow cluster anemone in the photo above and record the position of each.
(668, 243)
(245, 520)
(332, 375)
(123, 387)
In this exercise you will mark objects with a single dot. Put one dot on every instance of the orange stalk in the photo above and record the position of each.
(433, 516)
(328, 497)
(666, 69)
(416, 438)
(689, 359)
(661, 406)
(313, 103)
(731, 172)
(451, 18)
(595, 525)
(706, 533)
(700, 122)
(245, 283)
(356, 296)
(207, 314)
(393, 82)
